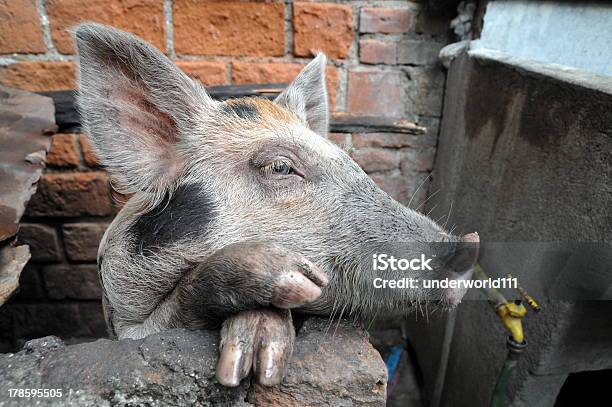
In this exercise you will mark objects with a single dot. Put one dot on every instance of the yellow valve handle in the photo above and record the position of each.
(530, 300)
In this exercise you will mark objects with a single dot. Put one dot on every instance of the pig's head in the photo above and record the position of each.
(251, 169)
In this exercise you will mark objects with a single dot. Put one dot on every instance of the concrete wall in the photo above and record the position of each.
(577, 34)
(524, 155)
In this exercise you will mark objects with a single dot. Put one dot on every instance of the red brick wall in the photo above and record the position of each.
(382, 62)
(383, 53)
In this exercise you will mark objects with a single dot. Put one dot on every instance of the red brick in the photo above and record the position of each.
(385, 20)
(418, 52)
(72, 282)
(376, 160)
(378, 52)
(273, 72)
(20, 29)
(39, 76)
(42, 240)
(89, 156)
(145, 18)
(426, 90)
(322, 27)
(391, 140)
(63, 319)
(342, 140)
(332, 79)
(81, 240)
(209, 73)
(63, 152)
(264, 72)
(374, 93)
(417, 159)
(71, 194)
(228, 28)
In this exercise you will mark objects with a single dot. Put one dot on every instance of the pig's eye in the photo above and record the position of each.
(278, 167)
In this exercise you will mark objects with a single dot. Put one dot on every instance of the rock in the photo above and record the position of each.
(177, 367)
(332, 365)
(12, 261)
(172, 368)
(25, 123)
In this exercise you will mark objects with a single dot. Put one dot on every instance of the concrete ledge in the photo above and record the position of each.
(177, 368)
(567, 74)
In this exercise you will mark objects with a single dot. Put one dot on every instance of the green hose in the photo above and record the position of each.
(515, 349)
(499, 394)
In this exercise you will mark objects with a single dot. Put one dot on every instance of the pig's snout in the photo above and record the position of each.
(461, 267)
(465, 256)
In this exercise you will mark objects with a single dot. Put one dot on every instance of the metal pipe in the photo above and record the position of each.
(449, 330)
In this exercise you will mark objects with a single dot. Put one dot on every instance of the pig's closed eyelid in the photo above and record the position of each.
(268, 157)
(263, 160)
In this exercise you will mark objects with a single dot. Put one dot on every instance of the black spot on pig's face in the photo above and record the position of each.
(187, 213)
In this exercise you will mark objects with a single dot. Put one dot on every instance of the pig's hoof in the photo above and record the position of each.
(258, 340)
(299, 283)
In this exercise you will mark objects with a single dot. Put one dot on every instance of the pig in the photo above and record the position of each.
(240, 212)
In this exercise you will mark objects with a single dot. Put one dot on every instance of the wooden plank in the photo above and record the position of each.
(267, 90)
(347, 123)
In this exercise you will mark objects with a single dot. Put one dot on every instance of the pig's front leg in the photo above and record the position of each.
(250, 287)
(259, 339)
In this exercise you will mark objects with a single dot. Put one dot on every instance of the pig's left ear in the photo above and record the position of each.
(307, 96)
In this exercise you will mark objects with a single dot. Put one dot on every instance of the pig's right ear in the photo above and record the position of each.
(135, 104)
(306, 96)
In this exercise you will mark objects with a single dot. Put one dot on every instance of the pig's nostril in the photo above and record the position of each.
(466, 254)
